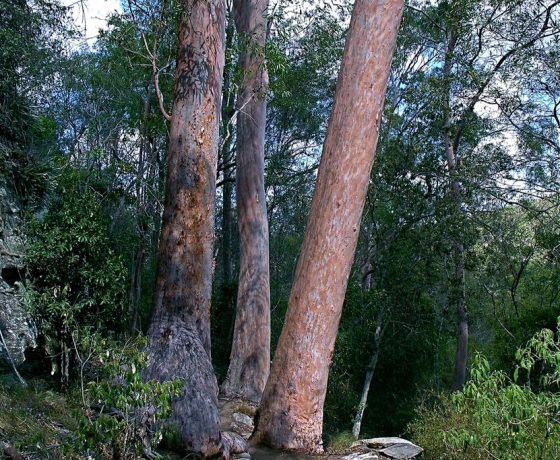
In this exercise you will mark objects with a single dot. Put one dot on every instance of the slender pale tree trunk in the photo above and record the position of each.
(141, 207)
(228, 106)
(291, 411)
(372, 364)
(180, 329)
(250, 355)
(457, 293)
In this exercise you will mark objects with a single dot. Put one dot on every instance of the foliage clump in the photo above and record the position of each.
(123, 411)
(78, 279)
(497, 416)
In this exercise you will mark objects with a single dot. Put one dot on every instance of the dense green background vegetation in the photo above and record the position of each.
(83, 139)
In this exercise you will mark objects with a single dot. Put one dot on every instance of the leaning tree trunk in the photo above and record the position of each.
(180, 329)
(291, 411)
(457, 294)
(250, 355)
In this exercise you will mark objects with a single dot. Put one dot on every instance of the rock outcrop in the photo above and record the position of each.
(17, 331)
(237, 416)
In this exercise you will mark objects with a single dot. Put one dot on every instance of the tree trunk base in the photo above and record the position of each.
(176, 352)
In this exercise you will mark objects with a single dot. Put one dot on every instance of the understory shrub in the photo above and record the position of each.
(122, 410)
(77, 278)
(498, 417)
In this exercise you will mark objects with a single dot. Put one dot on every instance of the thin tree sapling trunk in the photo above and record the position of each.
(457, 293)
(370, 370)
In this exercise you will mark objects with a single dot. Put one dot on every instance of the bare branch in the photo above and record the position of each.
(470, 108)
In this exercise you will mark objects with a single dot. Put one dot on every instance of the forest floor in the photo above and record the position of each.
(35, 420)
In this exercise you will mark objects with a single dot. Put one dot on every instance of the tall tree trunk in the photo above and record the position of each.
(291, 411)
(250, 355)
(180, 329)
(457, 294)
(136, 288)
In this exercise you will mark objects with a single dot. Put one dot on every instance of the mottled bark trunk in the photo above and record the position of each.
(291, 411)
(180, 329)
(250, 355)
(457, 294)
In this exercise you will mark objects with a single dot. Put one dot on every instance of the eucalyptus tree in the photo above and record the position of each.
(180, 329)
(473, 48)
(291, 411)
(249, 364)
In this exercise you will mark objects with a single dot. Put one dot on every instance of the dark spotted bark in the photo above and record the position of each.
(291, 411)
(250, 355)
(180, 329)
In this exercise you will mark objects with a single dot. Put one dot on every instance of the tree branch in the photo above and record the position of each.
(470, 108)
(155, 77)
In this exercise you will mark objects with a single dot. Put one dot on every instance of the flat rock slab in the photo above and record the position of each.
(402, 451)
(383, 442)
(392, 447)
(362, 456)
